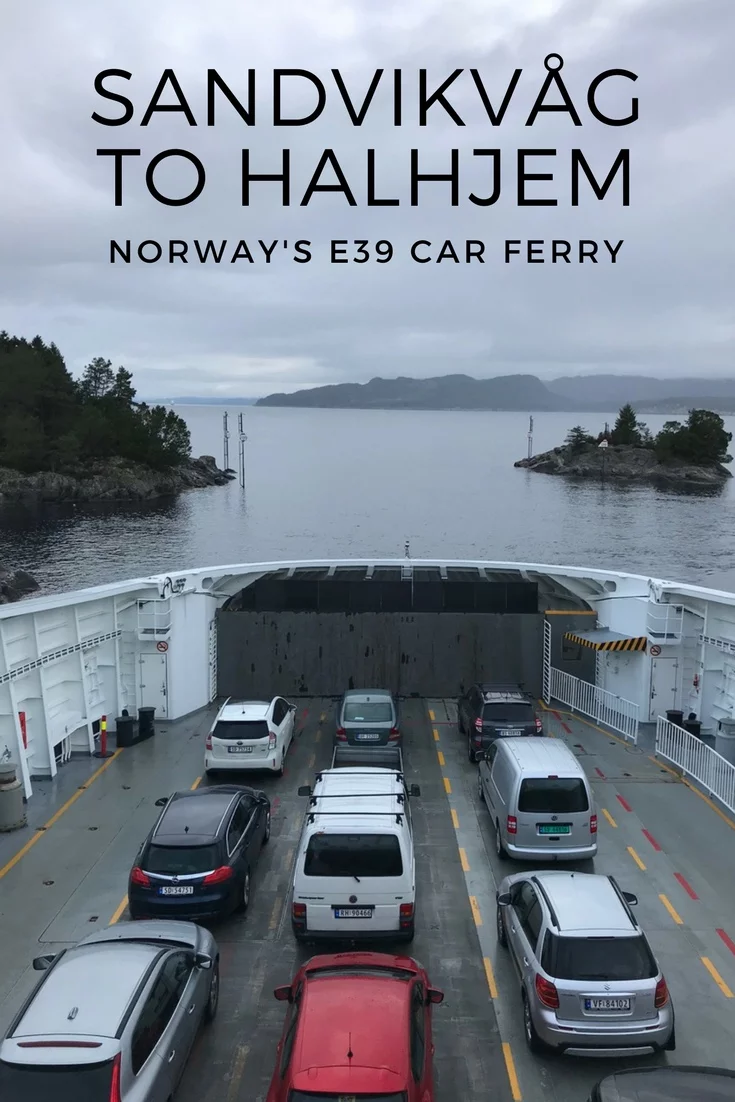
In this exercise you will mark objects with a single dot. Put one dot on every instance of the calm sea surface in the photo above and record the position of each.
(337, 483)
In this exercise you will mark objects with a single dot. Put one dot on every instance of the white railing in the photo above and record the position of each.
(665, 622)
(581, 696)
(695, 758)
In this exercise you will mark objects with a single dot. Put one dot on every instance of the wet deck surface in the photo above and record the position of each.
(72, 878)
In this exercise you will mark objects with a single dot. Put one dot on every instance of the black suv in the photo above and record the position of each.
(197, 861)
(488, 712)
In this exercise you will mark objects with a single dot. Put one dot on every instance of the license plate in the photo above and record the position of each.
(607, 1004)
(239, 749)
(369, 736)
(353, 912)
(512, 734)
(554, 828)
(177, 890)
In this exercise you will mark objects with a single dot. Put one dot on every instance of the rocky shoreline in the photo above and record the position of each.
(111, 480)
(15, 584)
(623, 463)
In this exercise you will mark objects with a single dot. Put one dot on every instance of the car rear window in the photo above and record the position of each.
(553, 796)
(508, 713)
(668, 1085)
(30, 1083)
(181, 860)
(375, 711)
(319, 1096)
(353, 855)
(241, 729)
(598, 958)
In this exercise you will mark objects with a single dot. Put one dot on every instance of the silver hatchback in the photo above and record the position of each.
(113, 1018)
(590, 983)
(367, 717)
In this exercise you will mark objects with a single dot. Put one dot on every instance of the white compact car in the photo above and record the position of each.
(250, 734)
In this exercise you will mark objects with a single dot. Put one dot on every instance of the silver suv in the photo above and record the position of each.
(113, 1018)
(590, 983)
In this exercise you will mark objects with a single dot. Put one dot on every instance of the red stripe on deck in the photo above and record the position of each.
(304, 714)
(275, 802)
(567, 728)
(728, 940)
(687, 888)
(556, 714)
(652, 840)
(599, 772)
(625, 803)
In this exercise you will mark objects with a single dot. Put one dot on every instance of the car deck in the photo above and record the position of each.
(66, 873)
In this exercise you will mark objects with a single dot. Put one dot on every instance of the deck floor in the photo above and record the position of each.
(658, 837)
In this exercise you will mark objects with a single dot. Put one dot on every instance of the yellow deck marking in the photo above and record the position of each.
(310, 763)
(288, 858)
(694, 789)
(463, 859)
(455, 819)
(238, 1067)
(275, 913)
(322, 717)
(515, 1087)
(318, 735)
(636, 858)
(716, 977)
(56, 816)
(196, 784)
(490, 978)
(674, 914)
(609, 817)
(440, 757)
(475, 911)
(432, 717)
(447, 786)
(436, 735)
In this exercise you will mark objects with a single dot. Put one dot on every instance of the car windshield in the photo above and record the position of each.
(181, 860)
(598, 958)
(241, 729)
(353, 855)
(508, 713)
(553, 796)
(371, 711)
(79, 1083)
(668, 1085)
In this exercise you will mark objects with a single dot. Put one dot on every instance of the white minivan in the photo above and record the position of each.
(540, 800)
(355, 874)
(250, 734)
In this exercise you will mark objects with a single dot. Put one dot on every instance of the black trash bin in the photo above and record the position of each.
(145, 722)
(676, 717)
(126, 734)
(694, 727)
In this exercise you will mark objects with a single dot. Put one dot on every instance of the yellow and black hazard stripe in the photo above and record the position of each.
(639, 643)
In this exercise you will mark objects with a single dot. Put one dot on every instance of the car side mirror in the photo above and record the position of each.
(203, 961)
(283, 994)
(434, 996)
(163, 800)
(40, 964)
(414, 790)
(630, 898)
(503, 900)
(304, 790)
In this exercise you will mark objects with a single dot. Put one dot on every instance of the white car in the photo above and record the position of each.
(250, 734)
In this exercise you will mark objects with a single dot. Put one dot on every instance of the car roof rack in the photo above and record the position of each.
(311, 815)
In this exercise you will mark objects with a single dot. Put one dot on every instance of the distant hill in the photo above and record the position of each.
(681, 406)
(506, 392)
(612, 391)
(188, 400)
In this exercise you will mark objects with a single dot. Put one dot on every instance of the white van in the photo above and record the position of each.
(355, 874)
(539, 799)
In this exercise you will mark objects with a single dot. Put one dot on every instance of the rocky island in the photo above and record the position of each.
(693, 453)
(15, 584)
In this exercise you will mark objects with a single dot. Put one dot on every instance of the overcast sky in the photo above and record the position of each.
(665, 307)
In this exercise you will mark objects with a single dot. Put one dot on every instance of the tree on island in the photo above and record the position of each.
(50, 421)
(629, 430)
(578, 439)
(702, 441)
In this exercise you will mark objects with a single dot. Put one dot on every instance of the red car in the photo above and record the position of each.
(357, 1029)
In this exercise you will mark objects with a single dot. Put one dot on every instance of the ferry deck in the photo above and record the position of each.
(66, 872)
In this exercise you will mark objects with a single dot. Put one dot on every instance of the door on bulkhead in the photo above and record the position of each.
(154, 683)
(665, 686)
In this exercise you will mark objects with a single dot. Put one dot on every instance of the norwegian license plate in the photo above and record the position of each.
(554, 828)
(180, 889)
(512, 734)
(369, 736)
(239, 749)
(353, 912)
(607, 1004)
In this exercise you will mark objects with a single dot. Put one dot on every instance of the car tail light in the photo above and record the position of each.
(662, 994)
(478, 726)
(406, 914)
(208, 743)
(539, 724)
(512, 824)
(593, 824)
(394, 733)
(342, 734)
(140, 878)
(115, 1095)
(547, 993)
(220, 875)
(298, 914)
(272, 740)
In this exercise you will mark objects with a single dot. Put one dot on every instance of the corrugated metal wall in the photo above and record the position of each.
(262, 654)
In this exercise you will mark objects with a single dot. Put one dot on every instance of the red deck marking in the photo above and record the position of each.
(304, 714)
(625, 803)
(554, 713)
(689, 890)
(275, 802)
(567, 728)
(652, 840)
(599, 772)
(727, 939)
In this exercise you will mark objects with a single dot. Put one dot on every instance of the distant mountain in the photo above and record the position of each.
(506, 392)
(681, 406)
(606, 392)
(187, 400)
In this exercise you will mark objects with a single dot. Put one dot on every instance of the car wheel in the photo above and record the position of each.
(670, 1045)
(245, 892)
(460, 724)
(533, 1040)
(480, 789)
(267, 833)
(471, 753)
(500, 924)
(499, 847)
(213, 1000)
(279, 771)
